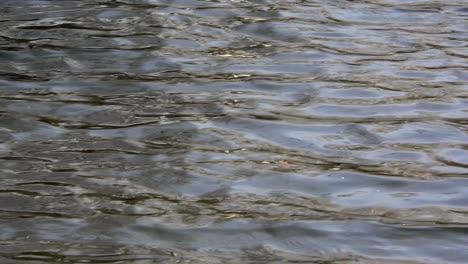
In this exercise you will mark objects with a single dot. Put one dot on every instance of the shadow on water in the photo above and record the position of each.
(232, 131)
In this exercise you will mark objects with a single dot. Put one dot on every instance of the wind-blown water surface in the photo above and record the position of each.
(222, 131)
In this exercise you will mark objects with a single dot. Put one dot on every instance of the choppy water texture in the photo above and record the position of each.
(233, 131)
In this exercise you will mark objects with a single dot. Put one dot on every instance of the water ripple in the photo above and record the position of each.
(256, 131)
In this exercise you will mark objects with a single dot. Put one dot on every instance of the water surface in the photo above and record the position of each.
(246, 131)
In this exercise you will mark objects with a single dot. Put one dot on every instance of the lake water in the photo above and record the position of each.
(233, 131)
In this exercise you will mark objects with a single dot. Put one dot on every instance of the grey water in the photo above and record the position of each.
(233, 131)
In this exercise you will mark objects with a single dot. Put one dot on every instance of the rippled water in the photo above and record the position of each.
(233, 131)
